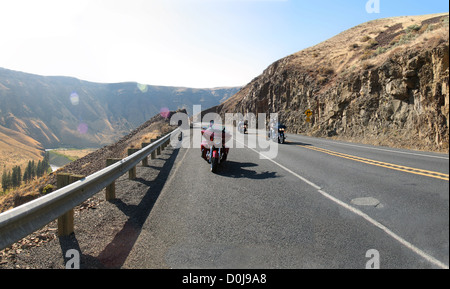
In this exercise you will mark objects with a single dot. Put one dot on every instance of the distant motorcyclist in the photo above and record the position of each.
(277, 131)
(240, 126)
(280, 132)
(271, 128)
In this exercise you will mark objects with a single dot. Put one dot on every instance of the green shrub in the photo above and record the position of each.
(412, 28)
(380, 50)
(47, 189)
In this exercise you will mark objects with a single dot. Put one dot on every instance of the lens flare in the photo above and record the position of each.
(164, 112)
(74, 98)
(142, 87)
(82, 128)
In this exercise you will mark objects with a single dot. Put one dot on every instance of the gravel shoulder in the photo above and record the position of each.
(105, 232)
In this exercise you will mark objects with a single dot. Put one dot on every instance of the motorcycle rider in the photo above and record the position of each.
(204, 149)
(271, 130)
(240, 126)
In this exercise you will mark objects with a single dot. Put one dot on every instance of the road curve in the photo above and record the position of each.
(318, 204)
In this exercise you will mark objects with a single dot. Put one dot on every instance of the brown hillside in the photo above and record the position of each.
(16, 149)
(384, 82)
(92, 162)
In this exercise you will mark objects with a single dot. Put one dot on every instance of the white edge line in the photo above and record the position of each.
(354, 210)
(387, 231)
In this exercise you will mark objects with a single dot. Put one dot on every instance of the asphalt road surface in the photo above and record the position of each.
(318, 204)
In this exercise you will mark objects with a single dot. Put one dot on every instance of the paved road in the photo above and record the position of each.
(318, 204)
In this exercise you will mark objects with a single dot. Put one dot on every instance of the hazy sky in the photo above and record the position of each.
(193, 43)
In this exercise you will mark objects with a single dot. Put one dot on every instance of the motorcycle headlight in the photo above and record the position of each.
(281, 129)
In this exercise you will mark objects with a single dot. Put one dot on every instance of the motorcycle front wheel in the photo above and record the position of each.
(214, 162)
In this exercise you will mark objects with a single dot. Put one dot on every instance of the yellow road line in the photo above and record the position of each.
(411, 170)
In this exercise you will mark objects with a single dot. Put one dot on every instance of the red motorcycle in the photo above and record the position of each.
(213, 146)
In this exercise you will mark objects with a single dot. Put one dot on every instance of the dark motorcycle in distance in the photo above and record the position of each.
(243, 127)
(213, 146)
(281, 133)
(277, 133)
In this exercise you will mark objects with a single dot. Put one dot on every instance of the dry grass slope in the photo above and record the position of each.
(384, 82)
(16, 149)
(89, 163)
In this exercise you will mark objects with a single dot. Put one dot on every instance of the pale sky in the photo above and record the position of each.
(192, 43)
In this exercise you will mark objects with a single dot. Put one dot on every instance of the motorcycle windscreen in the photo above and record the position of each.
(216, 135)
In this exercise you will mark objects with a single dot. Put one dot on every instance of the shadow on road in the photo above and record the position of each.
(296, 143)
(243, 170)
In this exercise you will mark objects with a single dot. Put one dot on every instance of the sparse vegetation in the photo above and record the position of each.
(367, 54)
(365, 38)
(372, 43)
(404, 37)
(412, 28)
(14, 178)
(46, 189)
(354, 46)
(325, 70)
(380, 50)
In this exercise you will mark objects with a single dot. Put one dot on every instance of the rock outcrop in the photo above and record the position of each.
(385, 82)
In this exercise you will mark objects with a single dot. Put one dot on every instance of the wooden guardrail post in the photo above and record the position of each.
(132, 172)
(153, 155)
(166, 143)
(66, 221)
(158, 150)
(145, 160)
(110, 193)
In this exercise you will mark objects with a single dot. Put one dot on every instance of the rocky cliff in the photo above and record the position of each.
(385, 82)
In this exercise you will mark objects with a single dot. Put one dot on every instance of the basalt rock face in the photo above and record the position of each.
(404, 102)
(396, 96)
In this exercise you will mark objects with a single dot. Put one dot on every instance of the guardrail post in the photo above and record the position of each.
(163, 146)
(145, 160)
(166, 143)
(158, 149)
(132, 172)
(153, 155)
(66, 221)
(110, 193)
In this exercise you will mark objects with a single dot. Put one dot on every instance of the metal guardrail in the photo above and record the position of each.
(23, 220)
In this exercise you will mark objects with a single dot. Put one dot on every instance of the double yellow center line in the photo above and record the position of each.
(410, 170)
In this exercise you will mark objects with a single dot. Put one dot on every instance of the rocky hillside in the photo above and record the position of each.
(384, 82)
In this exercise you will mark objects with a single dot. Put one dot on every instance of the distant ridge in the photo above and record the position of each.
(67, 112)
